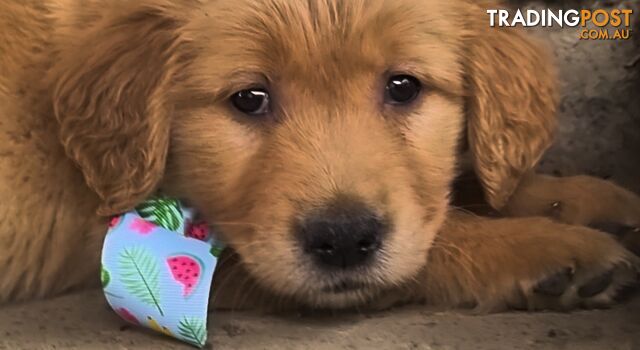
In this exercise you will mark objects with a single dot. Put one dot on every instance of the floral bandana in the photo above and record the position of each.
(157, 266)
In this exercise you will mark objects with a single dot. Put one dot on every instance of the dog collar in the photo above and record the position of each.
(157, 266)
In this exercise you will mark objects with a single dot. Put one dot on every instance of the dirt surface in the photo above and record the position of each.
(83, 321)
(599, 129)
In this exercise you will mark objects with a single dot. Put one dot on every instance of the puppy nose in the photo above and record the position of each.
(343, 236)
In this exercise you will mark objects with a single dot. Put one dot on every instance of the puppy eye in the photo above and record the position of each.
(402, 89)
(251, 101)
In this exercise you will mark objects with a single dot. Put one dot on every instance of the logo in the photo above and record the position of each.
(600, 24)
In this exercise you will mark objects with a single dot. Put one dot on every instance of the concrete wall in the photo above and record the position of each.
(599, 132)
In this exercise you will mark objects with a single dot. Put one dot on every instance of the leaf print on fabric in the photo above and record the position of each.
(140, 275)
(142, 226)
(193, 331)
(164, 212)
(105, 278)
(216, 250)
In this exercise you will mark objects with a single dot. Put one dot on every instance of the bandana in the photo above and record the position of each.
(157, 266)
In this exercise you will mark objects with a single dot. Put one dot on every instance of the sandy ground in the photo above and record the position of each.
(599, 128)
(82, 321)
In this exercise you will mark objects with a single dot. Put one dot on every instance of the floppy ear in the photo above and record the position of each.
(110, 97)
(510, 108)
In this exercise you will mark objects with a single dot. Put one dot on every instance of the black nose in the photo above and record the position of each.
(346, 234)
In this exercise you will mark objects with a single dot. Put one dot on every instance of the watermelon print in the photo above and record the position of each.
(164, 212)
(139, 273)
(186, 269)
(114, 221)
(142, 226)
(126, 315)
(193, 330)
(198, 230)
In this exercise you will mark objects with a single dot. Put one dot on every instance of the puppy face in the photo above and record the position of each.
(333, 189)
(320, 136)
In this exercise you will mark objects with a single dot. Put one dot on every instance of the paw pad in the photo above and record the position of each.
(556, 284)
(596, 285)
(566, 289)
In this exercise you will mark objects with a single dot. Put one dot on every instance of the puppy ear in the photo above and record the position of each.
(510, 107)
(110, 92)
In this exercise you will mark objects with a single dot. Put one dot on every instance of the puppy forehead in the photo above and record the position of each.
(322, 39)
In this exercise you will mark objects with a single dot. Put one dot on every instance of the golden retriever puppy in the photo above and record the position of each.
(322, 138)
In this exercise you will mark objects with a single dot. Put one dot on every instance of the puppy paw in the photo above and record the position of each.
(529, 263)
(581, 287)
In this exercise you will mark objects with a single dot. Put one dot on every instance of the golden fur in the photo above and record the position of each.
(102, 105)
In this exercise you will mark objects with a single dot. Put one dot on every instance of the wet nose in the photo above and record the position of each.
(343, 235)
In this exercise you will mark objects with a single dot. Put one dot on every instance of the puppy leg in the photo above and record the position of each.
(577, 200)
(580, 200)
(530, 263)
(50, 236)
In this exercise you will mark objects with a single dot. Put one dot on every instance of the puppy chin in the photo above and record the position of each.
(332, 297)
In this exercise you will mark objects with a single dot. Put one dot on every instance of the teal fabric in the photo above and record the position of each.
(157, 266)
